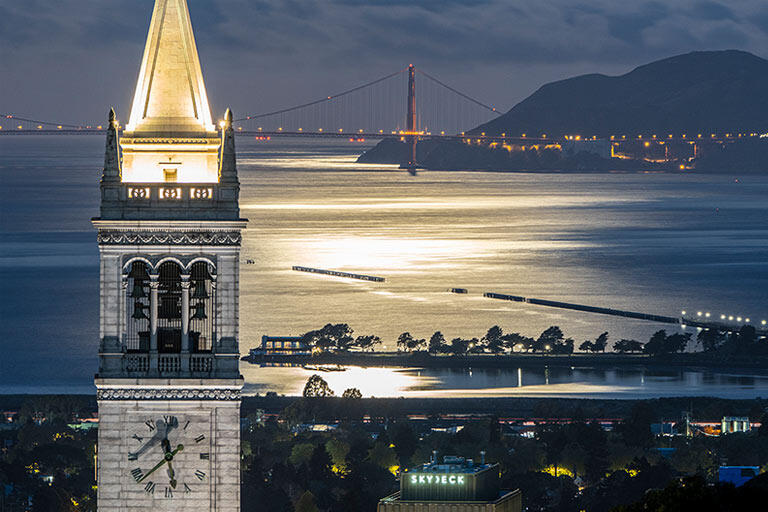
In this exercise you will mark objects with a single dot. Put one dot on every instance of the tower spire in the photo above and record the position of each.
(170, 97)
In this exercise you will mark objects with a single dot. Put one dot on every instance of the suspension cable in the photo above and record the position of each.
(466, 97)
(51, 123)
(326, 99)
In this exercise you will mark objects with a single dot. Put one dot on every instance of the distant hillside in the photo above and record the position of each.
(699, 92)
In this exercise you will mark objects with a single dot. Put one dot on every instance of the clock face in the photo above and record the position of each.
(169, 455)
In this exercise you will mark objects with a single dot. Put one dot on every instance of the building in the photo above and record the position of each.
(456, 485)
(737, 475)
(283, 345)
(169, 234)
(731, 424)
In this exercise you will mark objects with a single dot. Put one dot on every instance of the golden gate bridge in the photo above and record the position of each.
(375, 110)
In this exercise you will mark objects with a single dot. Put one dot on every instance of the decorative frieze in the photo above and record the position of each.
(168, 394)
(219, 238)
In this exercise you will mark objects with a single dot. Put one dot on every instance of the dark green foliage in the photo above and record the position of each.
(694, 493)
(623, 346)
(317, 387)
(436, 343)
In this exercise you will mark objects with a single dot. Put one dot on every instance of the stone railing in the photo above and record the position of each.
(136, 363)
(148, 200)
(169, 363)
(201, 363)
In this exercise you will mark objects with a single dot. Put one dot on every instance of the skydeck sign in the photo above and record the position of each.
(445, 479)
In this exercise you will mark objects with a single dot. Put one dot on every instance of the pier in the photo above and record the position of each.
(336, 273)
(682, 321)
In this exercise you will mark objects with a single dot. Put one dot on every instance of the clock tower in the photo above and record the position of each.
(169, 235)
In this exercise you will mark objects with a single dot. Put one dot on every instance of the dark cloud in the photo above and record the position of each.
(269, 53)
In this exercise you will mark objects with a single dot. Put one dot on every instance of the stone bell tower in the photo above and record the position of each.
(169, 238)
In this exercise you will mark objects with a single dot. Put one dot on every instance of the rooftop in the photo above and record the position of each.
(451, 464)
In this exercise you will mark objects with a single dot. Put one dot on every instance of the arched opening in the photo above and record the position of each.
(201, 305)
(137, 308)
(169, 308)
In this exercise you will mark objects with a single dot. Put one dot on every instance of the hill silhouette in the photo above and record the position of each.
(699, 92)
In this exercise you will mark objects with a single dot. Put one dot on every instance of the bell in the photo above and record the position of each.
(138, 289)
(138, 272)
(199, 292)
(138, 311)
(199, 312)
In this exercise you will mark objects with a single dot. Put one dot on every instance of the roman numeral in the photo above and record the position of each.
(150, 487)
(186, 425)
(199, 438)
(133, 456)
(137, 438)
(200, 475)
(168, 492)
(170, 420)
(205, 456)
(137, 474)
(187, 489)
(150, 424)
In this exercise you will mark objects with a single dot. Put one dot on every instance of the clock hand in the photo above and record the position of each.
(159, 464)
(168, 457)
(171, 475)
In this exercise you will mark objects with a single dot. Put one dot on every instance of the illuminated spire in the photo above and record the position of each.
(170, 98)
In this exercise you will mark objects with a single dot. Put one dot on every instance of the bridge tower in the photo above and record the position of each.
(410, 120)
(169, 234)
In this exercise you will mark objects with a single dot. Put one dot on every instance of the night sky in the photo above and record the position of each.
(69, 60)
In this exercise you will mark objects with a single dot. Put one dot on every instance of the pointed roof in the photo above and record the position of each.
(170, 98)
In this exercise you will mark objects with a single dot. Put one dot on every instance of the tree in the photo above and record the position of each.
(317, 387)
(710, 339)
(306, 503)
(404, 341)
(459, 346)
(586, 346)
(548, 339)
(566, 347)
(656, 345)
(338, 451)
(624, 345)
(600, 343)
(676, 342)
(436, 343)
(493, 339)
(515, 340)
(416, 343)
(367, 342)
(352, 393)
(300, 454)
(330, 336)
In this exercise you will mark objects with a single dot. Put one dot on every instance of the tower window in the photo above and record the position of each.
(171, 175)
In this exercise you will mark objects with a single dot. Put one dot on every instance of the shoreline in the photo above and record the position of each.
(697, 361)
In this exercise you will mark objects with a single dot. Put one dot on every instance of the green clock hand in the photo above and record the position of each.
(168, 457)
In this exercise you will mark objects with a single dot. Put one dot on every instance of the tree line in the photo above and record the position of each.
(340, 337)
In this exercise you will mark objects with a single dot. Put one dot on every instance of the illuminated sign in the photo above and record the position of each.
(421, 479)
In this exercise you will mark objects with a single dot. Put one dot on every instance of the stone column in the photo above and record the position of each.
(185, 348)
(185, 313)
(153, 306)
(214, 312)
(121, 321)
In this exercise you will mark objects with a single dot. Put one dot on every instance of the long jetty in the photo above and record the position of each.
(349, 275)
(720, 326)
(582, 307)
